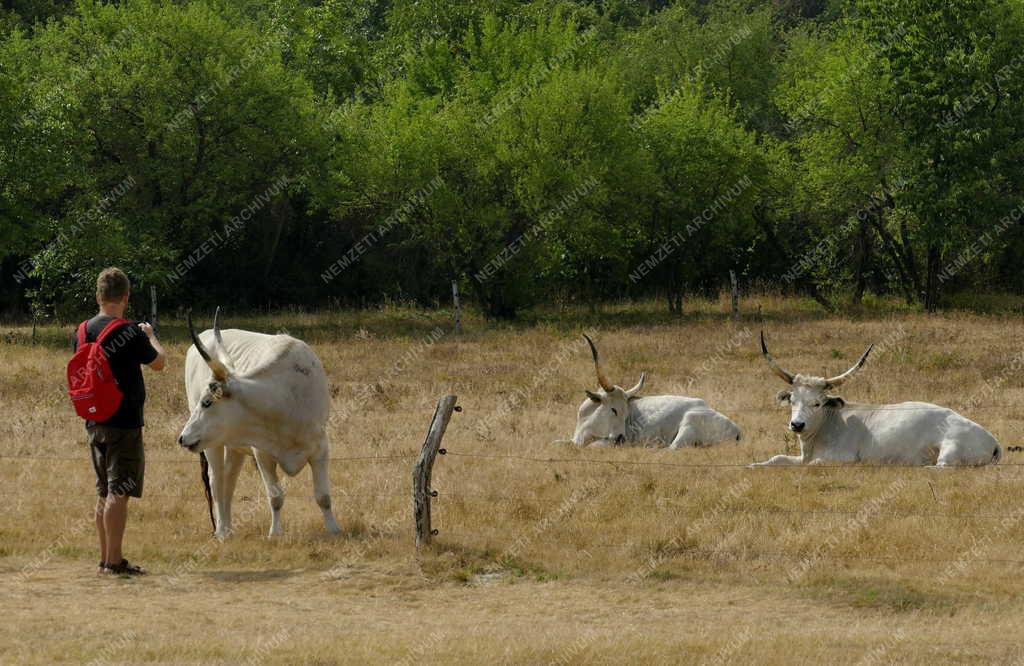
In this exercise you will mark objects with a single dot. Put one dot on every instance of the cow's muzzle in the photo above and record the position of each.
(796, 426)
(191, 447)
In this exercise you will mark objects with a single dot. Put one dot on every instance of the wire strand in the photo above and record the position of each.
(192, 461)
(658, 502)
(655, 463)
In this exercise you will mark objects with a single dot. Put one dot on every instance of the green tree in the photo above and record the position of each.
(957, 111)
(194, 107)
(701, 220)
(837, 97)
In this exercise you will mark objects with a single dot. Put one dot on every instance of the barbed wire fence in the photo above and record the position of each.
(762, 512)
(565, 507)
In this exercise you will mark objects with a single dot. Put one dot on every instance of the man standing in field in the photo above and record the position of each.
(116, 443)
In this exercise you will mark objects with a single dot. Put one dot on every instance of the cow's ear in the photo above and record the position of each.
(834, 402)
(783, 396)
(593, 396)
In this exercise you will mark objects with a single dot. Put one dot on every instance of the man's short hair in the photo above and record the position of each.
(112, 285)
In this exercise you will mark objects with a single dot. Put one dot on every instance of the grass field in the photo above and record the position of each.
(601, 556)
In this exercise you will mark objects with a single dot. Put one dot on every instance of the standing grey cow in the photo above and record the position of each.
(256, 395)
(909, 433)
(614, 416)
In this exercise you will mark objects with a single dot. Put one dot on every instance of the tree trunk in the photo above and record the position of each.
(808, 285)
(498, 306)
(908, 255)
(280, 212)
(931, 299)
(892, 248)
(674, 288)
(902, 252)
(491, 297)
(675, 301)
(862, 258)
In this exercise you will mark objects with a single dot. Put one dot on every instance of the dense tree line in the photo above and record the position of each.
(350, 151)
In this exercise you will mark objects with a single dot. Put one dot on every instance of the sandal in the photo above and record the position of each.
(102, 567)
(125, 569)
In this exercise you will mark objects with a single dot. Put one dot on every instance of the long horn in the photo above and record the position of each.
(195, 340)
(783, 375)
(639, 386)
(216, 329)
(832, 382)
(220, 370)
(601, 379)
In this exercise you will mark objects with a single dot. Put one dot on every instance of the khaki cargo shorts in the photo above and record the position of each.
(118, 460)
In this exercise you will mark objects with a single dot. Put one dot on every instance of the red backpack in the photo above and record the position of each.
(91, 383)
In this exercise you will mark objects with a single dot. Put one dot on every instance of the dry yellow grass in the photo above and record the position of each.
(537, 562)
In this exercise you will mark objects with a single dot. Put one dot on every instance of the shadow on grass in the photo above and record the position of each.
(247, 576)
(879, 593)
(464, 564)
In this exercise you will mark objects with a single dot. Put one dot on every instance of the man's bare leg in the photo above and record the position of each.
(101, 503)
(115, 515)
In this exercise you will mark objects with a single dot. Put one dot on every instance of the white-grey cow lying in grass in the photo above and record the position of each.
(832, 430)
(615, 416)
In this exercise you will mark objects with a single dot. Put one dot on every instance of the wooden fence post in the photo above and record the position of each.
(152, 306)
(458, 308)
(421, 490)
(735, 296)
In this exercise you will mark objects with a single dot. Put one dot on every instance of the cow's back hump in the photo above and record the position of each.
(282, 359)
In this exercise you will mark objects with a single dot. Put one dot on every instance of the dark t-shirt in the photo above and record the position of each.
(128, 349)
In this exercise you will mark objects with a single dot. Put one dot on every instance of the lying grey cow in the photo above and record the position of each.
(614, 416)
(832, 430)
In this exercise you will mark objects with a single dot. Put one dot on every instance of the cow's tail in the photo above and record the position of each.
(204, 467)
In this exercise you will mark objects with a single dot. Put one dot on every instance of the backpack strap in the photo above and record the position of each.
(81, 333)
(110, 328)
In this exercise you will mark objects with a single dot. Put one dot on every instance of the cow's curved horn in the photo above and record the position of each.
(783, 375)
(220, 370)
(195, 339)
(601, 379)
(832, 382)
(220, 349)
(216, 329)
(631, 393)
